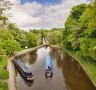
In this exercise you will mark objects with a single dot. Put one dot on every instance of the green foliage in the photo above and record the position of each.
(88, 21)
(54, 37)
(77, 11)
(3, 56)
(31, 39)
(3, 86)
(3, 74)
(79, 34)
(19, 35)
(24, 38)
(10, 46)
(3, 65)
(5, 35)
(72, 28)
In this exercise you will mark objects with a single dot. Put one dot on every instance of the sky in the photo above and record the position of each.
(44, 2)
(36, 14)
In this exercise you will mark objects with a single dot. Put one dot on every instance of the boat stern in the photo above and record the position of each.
(48, 73)
(30, 78)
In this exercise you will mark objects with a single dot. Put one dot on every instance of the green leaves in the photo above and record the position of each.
(10, 46)
(23, 38)
(31, 39)
(7, 42)
(80, 30)
(55, 37)
(77, 11)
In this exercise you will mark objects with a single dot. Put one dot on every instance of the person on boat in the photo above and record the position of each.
(48, 68)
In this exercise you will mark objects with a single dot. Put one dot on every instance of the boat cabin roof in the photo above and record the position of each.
(23, 66)
(48, 61)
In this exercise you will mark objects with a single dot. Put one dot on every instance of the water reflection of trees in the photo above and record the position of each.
(74, 76)
(28, 58)
(58, 55)
(33, 57)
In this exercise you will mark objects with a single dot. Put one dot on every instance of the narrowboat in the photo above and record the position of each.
(48, 66)
(25, 71)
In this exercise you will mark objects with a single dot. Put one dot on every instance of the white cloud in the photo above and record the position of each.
(35, 15)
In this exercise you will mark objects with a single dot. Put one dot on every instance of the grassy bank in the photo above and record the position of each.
(87, 65)
(3, 75)
(3, 85)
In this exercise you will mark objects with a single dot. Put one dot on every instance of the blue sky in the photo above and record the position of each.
(44, 2)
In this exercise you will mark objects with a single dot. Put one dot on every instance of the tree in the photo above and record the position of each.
(79, 34)
(19, 35)
(55, 37)
(4, 6)
(73, 29)
(31, 39)
(8, 44)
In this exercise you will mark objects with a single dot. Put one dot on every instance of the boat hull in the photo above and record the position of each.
(20, 66)
(48, 65)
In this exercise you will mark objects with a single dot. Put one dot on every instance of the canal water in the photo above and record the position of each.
(67, 73)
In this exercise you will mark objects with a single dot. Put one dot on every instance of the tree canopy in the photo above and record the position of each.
(79, 34)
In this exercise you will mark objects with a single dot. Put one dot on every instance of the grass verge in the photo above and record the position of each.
(3, 75)
(3, 85)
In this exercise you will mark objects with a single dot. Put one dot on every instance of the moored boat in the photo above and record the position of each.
(25, 71)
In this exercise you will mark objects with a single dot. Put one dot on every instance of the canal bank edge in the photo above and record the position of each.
(12, 83)
(55, 46)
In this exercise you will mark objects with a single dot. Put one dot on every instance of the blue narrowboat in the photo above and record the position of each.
(25, 71)
(48, 66)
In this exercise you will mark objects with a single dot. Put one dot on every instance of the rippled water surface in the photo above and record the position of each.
(67, 73)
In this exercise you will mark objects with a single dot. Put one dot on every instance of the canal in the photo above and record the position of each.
(67, 73)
